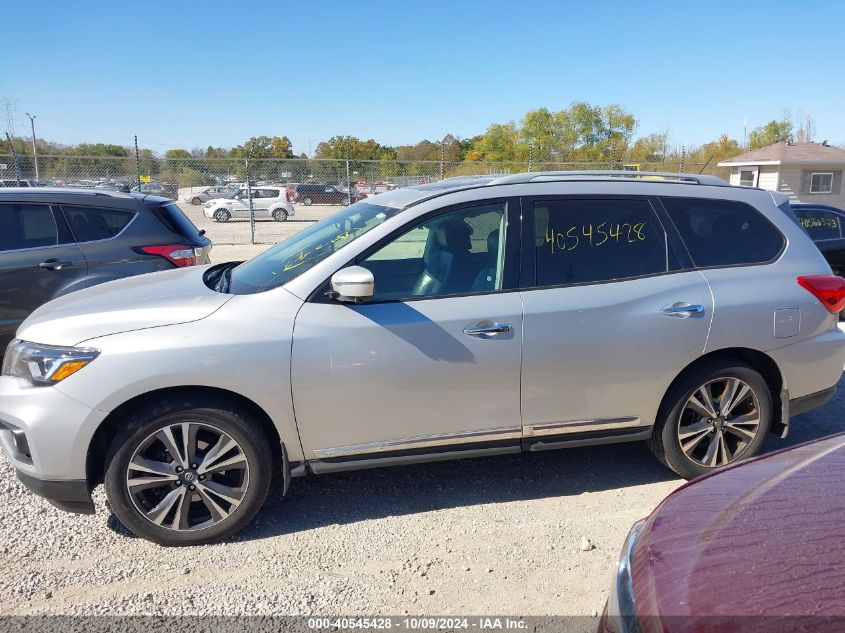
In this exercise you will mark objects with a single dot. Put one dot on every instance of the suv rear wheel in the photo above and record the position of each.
(280, 215)
(188, 473)
(307, 201)
(717, 414)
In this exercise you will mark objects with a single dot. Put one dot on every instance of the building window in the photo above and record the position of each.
(748, 177)
(821, 182)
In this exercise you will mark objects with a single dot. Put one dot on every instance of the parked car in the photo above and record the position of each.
(268, 203)
(761, 543)
(55, 241)
(211, 193)
(324, 194)
(468, 317)
(162, 189)
(11, 182)
(824, 225)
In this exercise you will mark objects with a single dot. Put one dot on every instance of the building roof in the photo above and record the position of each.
(782, 153)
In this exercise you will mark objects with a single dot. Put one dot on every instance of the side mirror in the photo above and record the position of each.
(354, 284)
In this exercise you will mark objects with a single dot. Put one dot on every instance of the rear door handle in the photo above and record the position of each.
(487, 329)
(54, 264)
(682, 310)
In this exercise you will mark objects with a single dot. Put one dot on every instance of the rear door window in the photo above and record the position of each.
(580, 241)
(820, 224)
(90, 224)
(724, 232)
(27, 226)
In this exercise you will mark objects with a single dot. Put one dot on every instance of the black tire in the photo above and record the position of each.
(215, 413)
(665, 442)
(346, 202)
(307, 201)
(280, 215)
(222, 215)
(196, 201)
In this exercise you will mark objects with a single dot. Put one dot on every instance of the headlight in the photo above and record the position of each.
(621, 610)
(45, 365)
(209, 204)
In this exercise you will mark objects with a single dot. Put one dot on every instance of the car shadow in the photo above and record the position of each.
(349, 497)
(343, 498)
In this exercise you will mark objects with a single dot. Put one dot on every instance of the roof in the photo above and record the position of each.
(65, 190)
(408, 196)
(782, 153)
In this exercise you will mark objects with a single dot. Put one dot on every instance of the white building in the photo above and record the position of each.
(809, 172)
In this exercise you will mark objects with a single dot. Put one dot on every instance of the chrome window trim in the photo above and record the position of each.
(580, 426)
(422, 441)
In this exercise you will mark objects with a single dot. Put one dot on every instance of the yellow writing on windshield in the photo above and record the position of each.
(307, 254)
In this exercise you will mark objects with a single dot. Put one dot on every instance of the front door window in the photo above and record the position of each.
(457, 252)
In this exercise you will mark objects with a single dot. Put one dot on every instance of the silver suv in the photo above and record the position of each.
(469, 317)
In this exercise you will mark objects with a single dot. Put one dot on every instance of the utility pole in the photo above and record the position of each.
(34, 152)
(137, 163)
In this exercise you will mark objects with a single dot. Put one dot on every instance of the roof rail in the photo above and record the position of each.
(549, 176)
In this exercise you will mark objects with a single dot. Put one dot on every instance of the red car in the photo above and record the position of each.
(755, 547)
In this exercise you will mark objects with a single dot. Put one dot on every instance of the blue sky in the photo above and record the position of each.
(186, 74)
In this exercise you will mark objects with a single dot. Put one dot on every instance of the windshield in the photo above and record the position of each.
(231, 195)
(293, 256)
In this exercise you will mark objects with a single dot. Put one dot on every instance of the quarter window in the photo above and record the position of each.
(458, 252)
(724, 232)
(27, 226)
(821, 182)
(584, 241)
(820, 224)
(89, 225)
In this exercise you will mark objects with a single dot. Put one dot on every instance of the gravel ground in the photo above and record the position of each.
(503, 535)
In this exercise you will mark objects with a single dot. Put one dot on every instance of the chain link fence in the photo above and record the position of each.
(315, 187)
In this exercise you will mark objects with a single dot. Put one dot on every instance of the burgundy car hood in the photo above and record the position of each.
(765, 538)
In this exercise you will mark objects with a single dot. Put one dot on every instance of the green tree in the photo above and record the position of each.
(772, 132)
(652, 148)
(178, 153)
(259, 147)
(500, 143)
(342, 147)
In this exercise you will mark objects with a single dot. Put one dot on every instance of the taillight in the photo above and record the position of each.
(178, 254)
(829, 289)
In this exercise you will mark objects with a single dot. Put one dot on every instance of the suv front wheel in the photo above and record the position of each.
(188, 473)
(716, 414)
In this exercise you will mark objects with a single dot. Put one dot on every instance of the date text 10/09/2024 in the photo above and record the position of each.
(418, 623)
(595, 235)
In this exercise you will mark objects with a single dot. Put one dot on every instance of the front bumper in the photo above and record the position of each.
(46, 434)
(70, 495)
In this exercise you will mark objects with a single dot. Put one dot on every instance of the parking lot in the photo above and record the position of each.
(266, 231)
(479, 536)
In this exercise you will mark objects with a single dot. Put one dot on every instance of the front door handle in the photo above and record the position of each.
(487, 329)
(54, 264)
(682, 310)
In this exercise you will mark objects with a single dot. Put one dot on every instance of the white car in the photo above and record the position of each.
(269, 203)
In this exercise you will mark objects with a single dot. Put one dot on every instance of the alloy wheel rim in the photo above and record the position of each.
(187, 476)
(719, 422)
